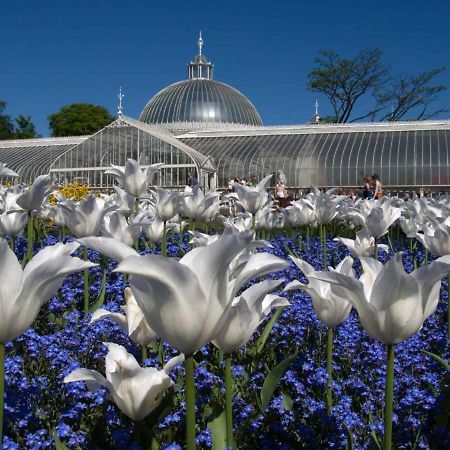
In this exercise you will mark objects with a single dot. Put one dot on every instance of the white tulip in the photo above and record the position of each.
(202, 239)
(392, 304)
(200, 206)
(363, 245)
(196, 291)
(239, 222)
(331, 309)
(5, 172)
(247, 312)
(110, 247)
(124, 202)
(324, 206)
(32, 198)
(252, 199)
(409, 226)
(23, 292)
(115, 225)
(168, 203)
(133, 179)
(136, 390)
(86, 217)
(133, 321)
(436, 238)
(306, 213)
(12, 219)
(376, 216)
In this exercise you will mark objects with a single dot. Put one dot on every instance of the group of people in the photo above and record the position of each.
(372, 187)
(252, 182)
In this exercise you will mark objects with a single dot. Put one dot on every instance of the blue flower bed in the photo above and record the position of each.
(38, 404)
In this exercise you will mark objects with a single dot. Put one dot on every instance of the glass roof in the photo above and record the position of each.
(200, 100)
(418, 157)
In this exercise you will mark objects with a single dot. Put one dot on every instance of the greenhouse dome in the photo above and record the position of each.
(199, 100)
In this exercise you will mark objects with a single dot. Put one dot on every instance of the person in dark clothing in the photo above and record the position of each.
(191, 180)
(367, 191)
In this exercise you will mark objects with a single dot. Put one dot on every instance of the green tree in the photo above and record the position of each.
(409, 95)
(22, 129)
(25, 128)
(79, 119)
(6, 124)
(345, 81)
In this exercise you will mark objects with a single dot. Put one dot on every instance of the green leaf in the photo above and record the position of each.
(288, 403)
(289, 251)
(267, 329)
(376, 441)
(58, 444)
(350, 442)
(101, 295)
(272, 380)
(441, 361)
(218, 426)
(161, 353)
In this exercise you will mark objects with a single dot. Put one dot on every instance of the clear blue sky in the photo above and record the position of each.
(53, 53)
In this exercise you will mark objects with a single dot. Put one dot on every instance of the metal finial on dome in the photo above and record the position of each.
(119, 107)
(317, 117)
(200, 43)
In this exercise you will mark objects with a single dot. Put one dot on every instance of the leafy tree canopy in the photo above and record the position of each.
(20, 128)
(344, 81)
(79, 119)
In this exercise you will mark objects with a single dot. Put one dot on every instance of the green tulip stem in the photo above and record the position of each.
(323, 234)
(229, 401)
(254, 222)
(190, 403)
(388, 398)
(329, 369)
(12, 244)
(30, 236)
(425, 262)
(375, 249)
(2, 389)
(144, 353)
(164, 240)
(86, 283)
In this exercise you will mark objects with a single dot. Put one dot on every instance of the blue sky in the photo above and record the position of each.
(53, 53)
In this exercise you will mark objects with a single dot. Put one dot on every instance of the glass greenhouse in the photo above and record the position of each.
(204, 126)
(405, 155)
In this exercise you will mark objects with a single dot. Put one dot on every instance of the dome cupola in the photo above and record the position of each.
(199, 100)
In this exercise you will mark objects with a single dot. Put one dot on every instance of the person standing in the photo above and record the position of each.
(191, 180)
(367, 188)
(377, 187)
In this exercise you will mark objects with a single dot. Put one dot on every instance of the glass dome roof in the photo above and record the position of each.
(200, 99)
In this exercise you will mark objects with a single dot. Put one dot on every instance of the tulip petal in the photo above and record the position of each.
(174, 362)
(258, 265)
(117, 318)
(41, 281)
(118, 360)
(10, 281)
(110, 247)
(170, 297)
(294, 285)
(210, 264)
(429, 280)
(305, 267)
(92, 378)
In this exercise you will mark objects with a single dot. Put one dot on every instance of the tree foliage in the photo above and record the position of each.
(345, 81)
(21, 127)
(79, 119)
